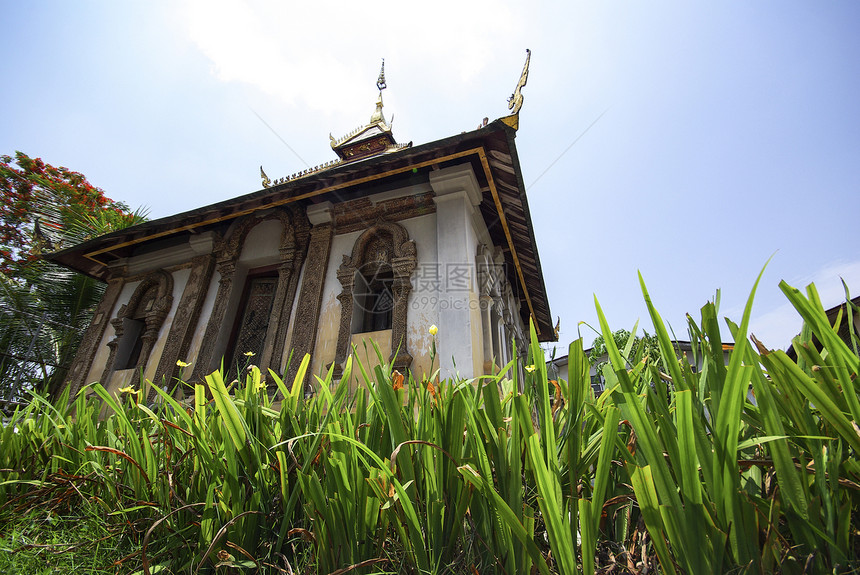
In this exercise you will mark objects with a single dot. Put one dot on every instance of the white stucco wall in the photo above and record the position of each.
(423, 306)
(460, 345)
(261, 245)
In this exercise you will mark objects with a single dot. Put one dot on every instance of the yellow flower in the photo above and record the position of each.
(434, 330)
(128, 389)
(530, 368)
(250, 354)
(261, 385)
(181, 363)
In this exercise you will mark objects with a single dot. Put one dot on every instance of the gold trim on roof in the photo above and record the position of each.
(303, 173)
(513, 121)
(515, 102)
(479, 151)
(504, 221)
(336, 143)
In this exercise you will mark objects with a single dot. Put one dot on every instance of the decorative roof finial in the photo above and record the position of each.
(380, 82)
(515, 102)
(372, 139)
(377, 116)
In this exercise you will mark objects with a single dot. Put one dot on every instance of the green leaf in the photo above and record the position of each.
(229, 414)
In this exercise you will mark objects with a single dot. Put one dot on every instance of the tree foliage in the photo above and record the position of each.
(642, 346)
(47, 208)
(44, 308)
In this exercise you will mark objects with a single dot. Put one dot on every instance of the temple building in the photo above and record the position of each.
(379, 244)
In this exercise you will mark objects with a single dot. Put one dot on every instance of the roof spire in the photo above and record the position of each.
(380, 82)
(372, 139)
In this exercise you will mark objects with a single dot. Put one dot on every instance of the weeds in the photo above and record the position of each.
(42, 543)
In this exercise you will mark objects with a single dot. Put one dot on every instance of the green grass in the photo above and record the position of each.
(49, 543)
(673, 470)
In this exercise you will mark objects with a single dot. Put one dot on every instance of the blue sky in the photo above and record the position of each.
(728, 132)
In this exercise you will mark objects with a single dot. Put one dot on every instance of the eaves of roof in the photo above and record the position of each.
(490, 149)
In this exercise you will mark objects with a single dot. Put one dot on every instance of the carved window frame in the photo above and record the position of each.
(152, 318)
(394, 249)
(233, 353)
(291, 248)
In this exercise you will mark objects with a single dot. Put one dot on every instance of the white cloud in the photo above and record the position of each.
(315, 52)
(828, 282)
(776, 327)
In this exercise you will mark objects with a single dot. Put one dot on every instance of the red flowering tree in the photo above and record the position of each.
(44, 308)
(46, 207)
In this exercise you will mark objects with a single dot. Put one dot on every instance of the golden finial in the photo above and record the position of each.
(377, 114)
(380, 83)
(515, 102)
(266, 181)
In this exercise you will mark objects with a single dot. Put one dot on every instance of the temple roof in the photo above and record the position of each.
(490, 149)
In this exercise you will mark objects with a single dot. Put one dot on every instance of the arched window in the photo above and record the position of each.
(376, 285)
(234, 327)
(133, 328)
(137, 324)
(373, 300)
(253, 318)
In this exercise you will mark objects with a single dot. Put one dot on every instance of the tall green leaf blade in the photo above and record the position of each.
(848, 363)
(778, 361)
(229, 414)
(691, 486)
(551, 507)
(667, 350)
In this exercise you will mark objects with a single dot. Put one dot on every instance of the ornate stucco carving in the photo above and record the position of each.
(292, 246)
(310, 298)
(383, 244)
(185, 320)
(150, 303)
